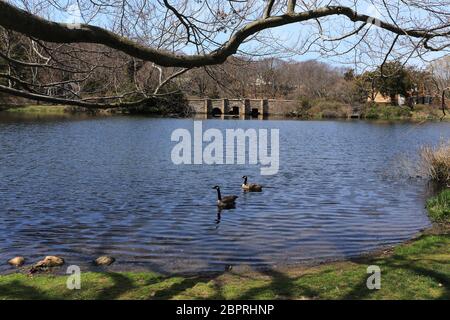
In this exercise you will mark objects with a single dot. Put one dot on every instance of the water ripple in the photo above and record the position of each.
(107, 186)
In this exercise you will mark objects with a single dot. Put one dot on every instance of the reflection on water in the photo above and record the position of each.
(201, 116)
(87, 186)
(219, 216)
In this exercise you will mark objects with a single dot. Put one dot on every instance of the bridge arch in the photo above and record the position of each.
(216, 111)
(235, 110)
(242, 107)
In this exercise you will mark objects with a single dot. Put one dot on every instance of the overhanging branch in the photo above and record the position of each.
(31, 25)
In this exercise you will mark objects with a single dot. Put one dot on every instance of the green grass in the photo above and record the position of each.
(418, 270)
(386, 112)
(38, 109)
(323, 109)
(389, 112)
(439, 207)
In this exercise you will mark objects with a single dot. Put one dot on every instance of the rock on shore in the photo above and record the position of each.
(48, 262)
(17, 261)
(104, 261)
(51, 261)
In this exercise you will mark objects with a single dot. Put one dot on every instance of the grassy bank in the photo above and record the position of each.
(38, 109)
(418, 270)
(323, 109)
(171, 104)
(317, 109)
(389, 112)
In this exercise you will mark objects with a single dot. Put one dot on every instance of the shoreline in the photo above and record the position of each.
(131, 267)
(383, 251)
(428, 247)
(377, 114)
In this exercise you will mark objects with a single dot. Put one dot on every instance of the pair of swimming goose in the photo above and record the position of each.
(229, 201)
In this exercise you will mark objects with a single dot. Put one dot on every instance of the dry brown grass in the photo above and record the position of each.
(436, 162)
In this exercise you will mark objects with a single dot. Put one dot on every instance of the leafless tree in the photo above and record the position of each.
(440, 69)
(123, 53)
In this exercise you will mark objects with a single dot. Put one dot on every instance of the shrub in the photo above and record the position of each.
(428, 112)
(330, 109)
(305, 103)
(170, 104)
(436, 162)
(330, 114)
(439, 206)
(385, 112)
(370, 112)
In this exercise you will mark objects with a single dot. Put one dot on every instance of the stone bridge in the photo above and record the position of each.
(241, 107)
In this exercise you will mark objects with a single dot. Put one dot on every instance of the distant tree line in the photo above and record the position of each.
(129, 54)
(120, 77)
(312, 80)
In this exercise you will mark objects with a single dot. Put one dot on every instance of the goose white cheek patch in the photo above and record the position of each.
(210, 147)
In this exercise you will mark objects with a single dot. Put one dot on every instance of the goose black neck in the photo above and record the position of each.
(219, 196)
(245, 180)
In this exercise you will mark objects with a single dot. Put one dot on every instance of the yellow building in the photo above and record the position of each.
(379, 98)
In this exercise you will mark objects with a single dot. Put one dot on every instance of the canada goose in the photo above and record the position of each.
(225, 202)
(252, 187)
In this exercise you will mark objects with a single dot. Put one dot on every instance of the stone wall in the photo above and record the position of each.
(197, 105)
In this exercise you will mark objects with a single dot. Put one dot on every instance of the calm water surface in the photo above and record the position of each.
(81, 188)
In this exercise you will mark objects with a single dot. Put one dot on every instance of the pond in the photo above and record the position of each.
(80, 187)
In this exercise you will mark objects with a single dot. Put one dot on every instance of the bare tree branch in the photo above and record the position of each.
(268, 10)
(168, 79)
(31, 25)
